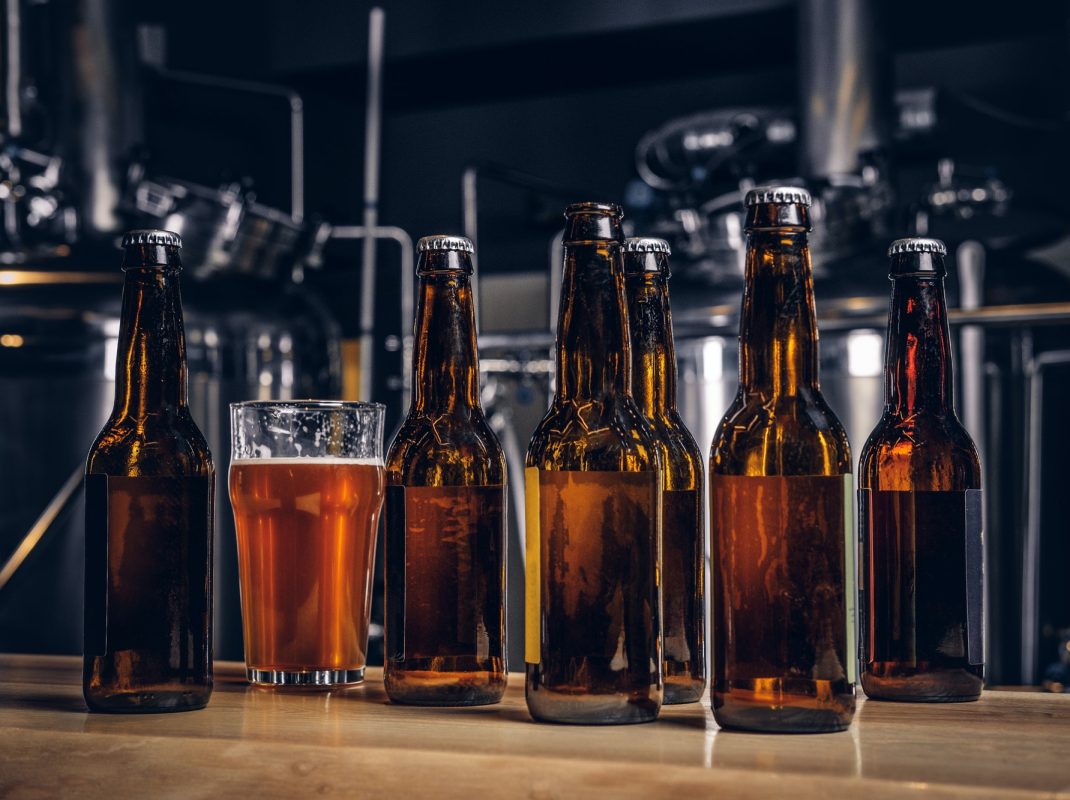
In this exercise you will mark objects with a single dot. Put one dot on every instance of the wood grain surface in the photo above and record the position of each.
(262, 743)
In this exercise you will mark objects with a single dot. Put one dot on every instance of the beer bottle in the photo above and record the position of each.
(149, 489)
(782, 540)
(920, 505)
(593, 491)
(646, 276)
(445, 506)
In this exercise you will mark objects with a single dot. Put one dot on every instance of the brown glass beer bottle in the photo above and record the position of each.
(683, 595)
(445, 506)
(782, 539)
(593, 644)
(920, 505)
(149, 489)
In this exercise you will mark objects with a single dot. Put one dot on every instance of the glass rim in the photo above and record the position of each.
(310, 405)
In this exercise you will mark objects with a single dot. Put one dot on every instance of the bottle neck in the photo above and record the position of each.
(653, 355)
(150, 372)
(778, 330)
(918, 370)
(593, 351)
(445, 359)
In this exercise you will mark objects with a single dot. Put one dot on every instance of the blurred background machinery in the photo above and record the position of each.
(274, 136)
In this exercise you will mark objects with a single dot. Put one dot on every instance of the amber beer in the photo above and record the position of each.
(445, 511)
(148, 517)
(920, 505)
(593, 644)
(306, 548)
(306, 486)
(782, 541)
(646, 278)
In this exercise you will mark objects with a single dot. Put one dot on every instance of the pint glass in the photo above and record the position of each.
(306, 485)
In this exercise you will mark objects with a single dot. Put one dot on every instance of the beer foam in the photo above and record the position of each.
(311, 461)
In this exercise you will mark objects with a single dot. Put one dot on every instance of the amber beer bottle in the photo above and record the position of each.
(149, 489)
(780, 502)
(646, 279)
(593, 644)
(445, 506)
(920, 505)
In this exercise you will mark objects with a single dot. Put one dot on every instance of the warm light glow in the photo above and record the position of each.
(11, 340)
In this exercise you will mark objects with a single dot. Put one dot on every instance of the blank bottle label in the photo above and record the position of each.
(446, 570)
(784, 570)
(924, 575)
(592, 571)
(148, 566)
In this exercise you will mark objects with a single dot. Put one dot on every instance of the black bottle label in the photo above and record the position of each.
(924, 575)
(148, 552)
(446, 571)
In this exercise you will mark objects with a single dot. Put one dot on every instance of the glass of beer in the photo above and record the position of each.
(306, 486)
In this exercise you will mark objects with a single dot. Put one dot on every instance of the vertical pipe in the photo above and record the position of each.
(372, 133)
(297, 158)
(844, 97)
(14, 69)
(469, 198)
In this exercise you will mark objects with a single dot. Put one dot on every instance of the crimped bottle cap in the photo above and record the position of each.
(916, 244)
(152, 236)
(646, 244)
(777, 194)
(444, 242)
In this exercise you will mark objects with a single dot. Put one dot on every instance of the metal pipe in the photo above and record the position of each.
(1034, 372)
(408, 286)
(844, 101)
(970, 261)
(372, 134)
(14, 68)
(41, 525)
(297, 124)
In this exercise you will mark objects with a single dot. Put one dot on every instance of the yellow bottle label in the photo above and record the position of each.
(850, 575)
(533, 564)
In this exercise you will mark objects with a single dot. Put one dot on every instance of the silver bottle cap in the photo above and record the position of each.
(152, 236)
(777, 194)
(917, 244)
(444, 242)
(646, 244)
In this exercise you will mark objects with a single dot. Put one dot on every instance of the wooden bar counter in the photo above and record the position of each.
(260, 743)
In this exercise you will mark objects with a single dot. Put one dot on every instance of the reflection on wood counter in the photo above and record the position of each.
(264, 743)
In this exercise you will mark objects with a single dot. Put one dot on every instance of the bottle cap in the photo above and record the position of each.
(444, 242)
(777, 194)
(916, 244)
(645, 255)
(646, 244)
(152, 237)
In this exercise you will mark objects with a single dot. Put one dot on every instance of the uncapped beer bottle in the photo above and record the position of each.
(445, 506)
(782, 538)
(593, 644)
(646, 279)
(149, 488)
(920, 505)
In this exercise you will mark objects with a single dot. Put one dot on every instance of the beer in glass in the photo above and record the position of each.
(306, 486)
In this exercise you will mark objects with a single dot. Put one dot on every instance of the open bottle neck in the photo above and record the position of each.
(445, 358)
(151, 368)
(778, 328)
(593, 351)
